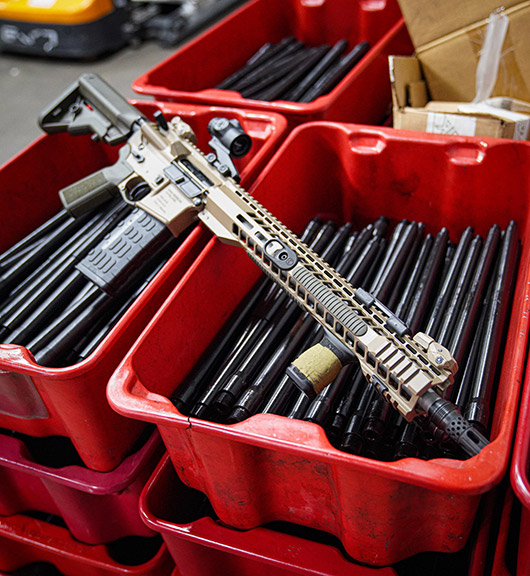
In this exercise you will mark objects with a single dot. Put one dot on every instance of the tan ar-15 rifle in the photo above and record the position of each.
(161, 170)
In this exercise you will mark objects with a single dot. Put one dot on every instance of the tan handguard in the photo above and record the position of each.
(391, 371)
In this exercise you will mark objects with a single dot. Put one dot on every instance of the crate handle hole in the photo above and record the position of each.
(367, 143)
(467, 153)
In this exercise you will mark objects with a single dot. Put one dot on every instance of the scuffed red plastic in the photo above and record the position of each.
(499, 541)
(520, 476)
(25, 540)
(206, 547)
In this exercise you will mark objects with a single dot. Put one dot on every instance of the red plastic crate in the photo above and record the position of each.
(271, 468)
(490, 534)
(203, 546)
(500, 540)
(82, 497)
(363, 95)
(71, 401)
(25, 540)
(480, 545)
(520, 476)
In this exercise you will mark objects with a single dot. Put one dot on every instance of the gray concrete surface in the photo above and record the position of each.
(28, 84)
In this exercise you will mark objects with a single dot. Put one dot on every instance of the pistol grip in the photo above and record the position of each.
(95, 189)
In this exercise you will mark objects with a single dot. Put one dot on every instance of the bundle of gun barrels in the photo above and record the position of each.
(458, 293)
(291, 71)
(49, 306)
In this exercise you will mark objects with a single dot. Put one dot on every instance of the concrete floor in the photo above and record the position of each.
(27, 85)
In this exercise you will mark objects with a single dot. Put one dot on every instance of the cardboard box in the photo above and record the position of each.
(412, 109)
(448, 37)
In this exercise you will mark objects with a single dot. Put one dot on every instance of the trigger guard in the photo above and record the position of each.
(130, 186)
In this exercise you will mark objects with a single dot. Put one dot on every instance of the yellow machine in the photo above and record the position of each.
(63, 28)
(89, 28)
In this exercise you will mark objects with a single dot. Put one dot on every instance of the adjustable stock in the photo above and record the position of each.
(91, 106)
